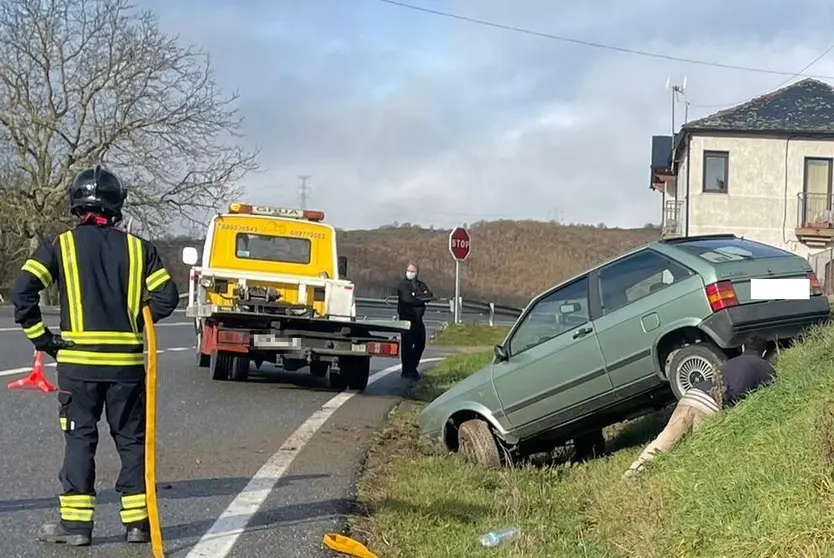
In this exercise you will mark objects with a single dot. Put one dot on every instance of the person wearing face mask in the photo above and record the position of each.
(412, 295)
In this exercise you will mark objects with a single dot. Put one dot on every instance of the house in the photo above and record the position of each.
(762, 170)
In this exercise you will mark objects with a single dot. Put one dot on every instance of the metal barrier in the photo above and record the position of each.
(489, 311)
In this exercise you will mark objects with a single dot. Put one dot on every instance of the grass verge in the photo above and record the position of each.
(754, 482)
(468, 335)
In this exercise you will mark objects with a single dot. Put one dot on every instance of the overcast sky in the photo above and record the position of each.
(411, 117)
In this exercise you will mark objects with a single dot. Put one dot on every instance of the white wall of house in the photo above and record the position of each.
(765, 176)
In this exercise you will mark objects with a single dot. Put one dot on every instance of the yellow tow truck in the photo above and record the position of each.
(271, 288)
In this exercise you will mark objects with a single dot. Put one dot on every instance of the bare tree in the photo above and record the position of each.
(96, 81)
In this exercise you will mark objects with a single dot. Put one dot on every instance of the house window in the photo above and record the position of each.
(716, 167)
(816, 190)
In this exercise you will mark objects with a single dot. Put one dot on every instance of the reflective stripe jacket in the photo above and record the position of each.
(103, 274)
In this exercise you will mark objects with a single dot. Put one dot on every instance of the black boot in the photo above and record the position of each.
(138, 533)
(56, 533)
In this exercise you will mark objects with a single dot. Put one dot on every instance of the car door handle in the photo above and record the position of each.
(582, 332)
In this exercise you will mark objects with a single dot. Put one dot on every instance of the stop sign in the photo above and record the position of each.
(459, 244)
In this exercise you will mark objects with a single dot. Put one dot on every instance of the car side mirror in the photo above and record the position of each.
(501, 354)
(342, 266)
(190, 256)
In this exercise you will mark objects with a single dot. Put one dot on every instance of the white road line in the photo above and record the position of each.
(218, 541)
(27, 369)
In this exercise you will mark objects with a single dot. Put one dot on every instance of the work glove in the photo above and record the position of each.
(50, 343)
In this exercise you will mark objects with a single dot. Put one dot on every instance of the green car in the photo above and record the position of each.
(608, 345)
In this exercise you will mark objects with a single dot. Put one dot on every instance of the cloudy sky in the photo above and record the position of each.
(406, 116)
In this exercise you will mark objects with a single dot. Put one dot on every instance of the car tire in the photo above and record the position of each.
(692, 363)
(240, 368)
(477, 444)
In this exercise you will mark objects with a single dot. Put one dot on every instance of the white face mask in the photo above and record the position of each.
(410, 275)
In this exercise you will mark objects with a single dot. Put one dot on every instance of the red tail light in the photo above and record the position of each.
(721, 295)
(231, 337)
(382, 348)
(816, 289)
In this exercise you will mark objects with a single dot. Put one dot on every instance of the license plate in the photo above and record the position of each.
(267, 340)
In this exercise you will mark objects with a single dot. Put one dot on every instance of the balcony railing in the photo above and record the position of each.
(672, 222)
(814, 211)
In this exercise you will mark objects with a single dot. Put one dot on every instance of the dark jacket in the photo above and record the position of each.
(102, 275)
(742, 374)
(411, 299)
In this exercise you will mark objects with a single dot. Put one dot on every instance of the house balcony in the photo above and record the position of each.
(672, 225)
(815, 219)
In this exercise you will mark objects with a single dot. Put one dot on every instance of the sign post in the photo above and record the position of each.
(459, 246)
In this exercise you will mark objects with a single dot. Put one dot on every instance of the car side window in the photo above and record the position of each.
(561, 311)
(635, 277)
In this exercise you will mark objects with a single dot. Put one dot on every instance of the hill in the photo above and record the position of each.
(510, 262)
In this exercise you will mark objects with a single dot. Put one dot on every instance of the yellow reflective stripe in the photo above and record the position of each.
(103, 337)
(157, 279)
(134, 501)
(39, 270)
(134, 279)
(71, 356)
(73, 514)
(35, 331)
(70, 264)
(133, 516)
(77, 501)
(63, 422)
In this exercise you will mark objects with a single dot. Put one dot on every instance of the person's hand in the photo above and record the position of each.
(50, 344)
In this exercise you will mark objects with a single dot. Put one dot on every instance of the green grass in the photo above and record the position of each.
(468, 335)
(755, 482)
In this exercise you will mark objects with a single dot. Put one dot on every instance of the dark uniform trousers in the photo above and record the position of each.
(80, 408)
(413, 344)
(102, 274)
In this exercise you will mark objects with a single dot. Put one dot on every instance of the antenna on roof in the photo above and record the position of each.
(677, 90)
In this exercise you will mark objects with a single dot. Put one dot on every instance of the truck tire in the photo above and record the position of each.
(338, 381)
(693, 363)
(220, 365)
(203, 360)
(357, 370)
(319, 368)
(240, 368)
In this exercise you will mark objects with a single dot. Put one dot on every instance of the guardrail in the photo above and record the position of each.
(489, 310)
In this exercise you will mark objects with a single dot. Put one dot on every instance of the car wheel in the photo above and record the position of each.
(240, 368)
(358, 370)
(319, 368)
(477, 444)
(220, 365)
(692, 364)
(337, 381)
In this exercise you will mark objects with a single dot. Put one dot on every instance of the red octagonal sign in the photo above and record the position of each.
(459, 244)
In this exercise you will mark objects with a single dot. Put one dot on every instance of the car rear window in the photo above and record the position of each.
(719, 250)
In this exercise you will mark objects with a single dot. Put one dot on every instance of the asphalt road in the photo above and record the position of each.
(301, 442)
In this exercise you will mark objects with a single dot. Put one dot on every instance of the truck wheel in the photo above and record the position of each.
(338, 381)
(220, 365)
(694, 363)
(203, 360)
(319, 368)
(358, 370)
(477, 444)
(240, 368)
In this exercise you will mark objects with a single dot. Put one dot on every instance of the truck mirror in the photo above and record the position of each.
(343, 267)
(190, 255)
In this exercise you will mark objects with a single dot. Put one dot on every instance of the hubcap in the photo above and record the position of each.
(693, 370)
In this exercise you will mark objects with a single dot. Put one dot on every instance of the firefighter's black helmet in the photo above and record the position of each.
(97, 190)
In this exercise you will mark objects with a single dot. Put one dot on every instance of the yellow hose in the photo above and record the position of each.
(150, 436)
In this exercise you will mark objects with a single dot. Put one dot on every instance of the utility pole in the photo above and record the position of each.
(303, 190)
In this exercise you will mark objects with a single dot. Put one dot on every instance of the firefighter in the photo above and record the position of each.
(104, 275)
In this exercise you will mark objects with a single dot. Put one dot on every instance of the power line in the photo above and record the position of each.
(822, 55)
(592, 44)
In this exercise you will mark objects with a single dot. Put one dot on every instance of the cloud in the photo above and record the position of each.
(405, 116)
